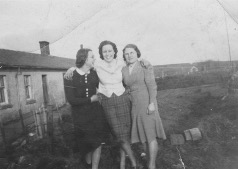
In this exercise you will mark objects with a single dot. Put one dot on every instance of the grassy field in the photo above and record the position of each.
(206, 108)
(203, 107)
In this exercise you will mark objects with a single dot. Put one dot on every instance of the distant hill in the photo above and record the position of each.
(188, 68)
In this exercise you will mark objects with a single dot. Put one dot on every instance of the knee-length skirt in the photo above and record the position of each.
(117, 112)
(90, 127)
(145, 128)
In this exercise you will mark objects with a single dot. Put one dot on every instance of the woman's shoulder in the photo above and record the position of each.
(93, 72)
(70, 82)
(124, 68)
(120, 62)
(146, 67)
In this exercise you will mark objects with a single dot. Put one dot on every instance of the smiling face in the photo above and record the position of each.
(108, 53)
(130, 55)
(90, 59)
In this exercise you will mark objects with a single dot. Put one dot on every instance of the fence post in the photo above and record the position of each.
(59, 113)
(50, 122)
(3, 133)
(44, 114)
(22, 122)
(38, 124)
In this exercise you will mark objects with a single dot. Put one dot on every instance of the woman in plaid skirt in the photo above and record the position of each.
(114, 100)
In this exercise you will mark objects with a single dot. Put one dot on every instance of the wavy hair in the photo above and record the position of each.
(81, 57)
(133, 47)
(106, 42)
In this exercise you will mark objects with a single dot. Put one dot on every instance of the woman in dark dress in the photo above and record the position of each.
(87, 113)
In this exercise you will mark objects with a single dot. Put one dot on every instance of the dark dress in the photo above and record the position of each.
(90, 126)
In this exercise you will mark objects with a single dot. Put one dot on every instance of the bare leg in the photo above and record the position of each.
(88, 158)
(127, 148)
(146, 150)
(96, 154)
(153, 150)
(123, 159)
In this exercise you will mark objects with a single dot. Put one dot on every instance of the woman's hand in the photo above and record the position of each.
(145, 63)
(94, 98)
(151, 108)
(69, 74)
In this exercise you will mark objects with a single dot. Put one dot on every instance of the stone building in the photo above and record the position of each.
(29, 81)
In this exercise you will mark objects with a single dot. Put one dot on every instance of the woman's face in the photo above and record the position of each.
(90, 60)
(130, 55)
(108, 53)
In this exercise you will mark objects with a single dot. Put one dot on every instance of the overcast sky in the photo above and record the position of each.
(166, 31)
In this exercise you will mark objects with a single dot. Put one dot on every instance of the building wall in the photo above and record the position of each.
(17, 96)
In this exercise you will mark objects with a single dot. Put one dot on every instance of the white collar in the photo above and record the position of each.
(109, 67)
(132, 65)
(82, 72)
(111, 64)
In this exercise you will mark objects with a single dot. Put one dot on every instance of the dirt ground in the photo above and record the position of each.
(204, 107)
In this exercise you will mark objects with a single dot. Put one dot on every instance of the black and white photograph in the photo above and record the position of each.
(118, 84)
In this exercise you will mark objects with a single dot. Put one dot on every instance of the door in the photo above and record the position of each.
(45, 89)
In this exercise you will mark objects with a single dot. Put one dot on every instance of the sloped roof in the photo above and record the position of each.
(10, 58)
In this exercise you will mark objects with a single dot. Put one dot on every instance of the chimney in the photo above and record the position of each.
(81, 46)
(44, 48)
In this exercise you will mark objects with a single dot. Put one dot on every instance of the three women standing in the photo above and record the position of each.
(113, 98)
(146, 122)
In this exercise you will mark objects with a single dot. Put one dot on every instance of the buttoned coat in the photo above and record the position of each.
(143, 91)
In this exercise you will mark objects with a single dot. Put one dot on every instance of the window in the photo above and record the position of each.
(27, 84)
(3, 90)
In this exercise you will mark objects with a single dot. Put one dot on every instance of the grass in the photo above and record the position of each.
(180, 109)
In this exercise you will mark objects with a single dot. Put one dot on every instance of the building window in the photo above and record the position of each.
(28, 87)
(3, 90)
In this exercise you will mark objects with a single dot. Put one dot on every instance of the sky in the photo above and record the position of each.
(165, 31)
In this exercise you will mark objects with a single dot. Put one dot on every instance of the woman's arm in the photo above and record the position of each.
(69, 74)
(150, 83)
(151, 86)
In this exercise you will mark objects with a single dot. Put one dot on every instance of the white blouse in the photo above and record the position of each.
(110, 77)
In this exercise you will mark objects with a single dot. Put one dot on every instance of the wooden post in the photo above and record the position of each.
(22, 121)
(50, 123)
(38, 124)
(59, 113)
(3, 133)
(50, 119)
(44, 114)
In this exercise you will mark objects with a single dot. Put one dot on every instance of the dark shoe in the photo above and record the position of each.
(85, 164)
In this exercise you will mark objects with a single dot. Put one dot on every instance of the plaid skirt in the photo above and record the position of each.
(117, 112)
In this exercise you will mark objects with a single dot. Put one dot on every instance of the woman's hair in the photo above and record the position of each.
(133, 47)
(103, 43)
(81, 57)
